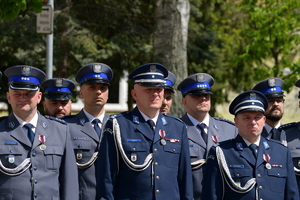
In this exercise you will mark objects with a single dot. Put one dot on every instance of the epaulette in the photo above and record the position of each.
(287, 126)
(172, 116)
(224, 120)
(275, 141)
(112, 116)
(225, 142)
(56, 119)
(67, 116)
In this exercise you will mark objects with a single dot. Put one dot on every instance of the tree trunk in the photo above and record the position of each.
(170, 42)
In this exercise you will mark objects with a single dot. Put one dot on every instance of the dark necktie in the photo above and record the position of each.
(96, 122)
(30, 133)
(253, 147)
(151, 124)
(273, 133)
(202, 132)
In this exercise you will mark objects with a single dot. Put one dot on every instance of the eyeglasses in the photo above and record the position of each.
(278, 101)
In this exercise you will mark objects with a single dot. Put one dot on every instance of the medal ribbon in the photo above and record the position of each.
(266, 158)
(162, 133)
(42, 139)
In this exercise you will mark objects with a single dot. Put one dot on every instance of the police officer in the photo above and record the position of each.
(272, 89)
(37, 160)
(143, 153)
(86, 126)
(203, 130)
(168, 91)
(58, 94)
(290, 137)
(249, 166)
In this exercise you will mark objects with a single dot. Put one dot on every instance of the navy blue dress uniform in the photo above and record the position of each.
(219, 129)
(170, 82)
(84, 137)
(233, 172)
(290, 137)
(58, 88)
(137, 163)
(271, 88)
(44, 169)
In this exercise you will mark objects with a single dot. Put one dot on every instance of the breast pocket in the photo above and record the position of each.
(277, 179)
(240, 175)
(83, 150)
(10, 155)
(172, 154)
(136, 151)
(53, 155)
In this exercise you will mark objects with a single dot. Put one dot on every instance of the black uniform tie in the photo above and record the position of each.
(202, 132)
(151, 124)
(273, 133)
(30, 133)
(96, 122)
(253, 147)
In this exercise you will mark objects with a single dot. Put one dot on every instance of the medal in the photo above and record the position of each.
(133, 157)
(163, 141)
(268, 166)
(43, 147)
(79, 155)
(11, 159)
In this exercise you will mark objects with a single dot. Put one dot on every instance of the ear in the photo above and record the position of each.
(8, 97)
(133, 94)
(39, 96)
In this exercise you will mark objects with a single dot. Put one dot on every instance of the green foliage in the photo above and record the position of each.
(9, 9)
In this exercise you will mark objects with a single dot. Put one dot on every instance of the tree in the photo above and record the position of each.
(9, 9)
(170, 41)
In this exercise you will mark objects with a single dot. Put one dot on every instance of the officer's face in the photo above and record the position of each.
(23, 102)
(196, 104)
(275, 109)
(57, 108)
(167, 102)
(250, 125)
(94, 94)
(148, 99)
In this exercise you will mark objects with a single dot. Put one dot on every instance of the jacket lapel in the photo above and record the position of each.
(245, 152)
(87, 127)
(16, 131)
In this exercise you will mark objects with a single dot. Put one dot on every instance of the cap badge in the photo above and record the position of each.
(200, 78)
(271, 82)
(252, 96)
(97, 68)
(58, 82)
(152, 68)
(26, 71)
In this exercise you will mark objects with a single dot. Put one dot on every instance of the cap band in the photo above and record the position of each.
(93, 75)
(167, 82)
(27, 79)
(57, 89)
(270, 90)
(199, 86)
(249, 104)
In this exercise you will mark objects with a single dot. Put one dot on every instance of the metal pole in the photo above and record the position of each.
(49, 51)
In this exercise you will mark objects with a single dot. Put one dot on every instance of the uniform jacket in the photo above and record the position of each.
(276, 183)
(85, 142)
(168, 177)
(52, 175)
(218, 128)
(292, 132)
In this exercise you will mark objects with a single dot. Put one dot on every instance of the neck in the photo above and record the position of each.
(200, 116)
(272, 123)
(95, 111)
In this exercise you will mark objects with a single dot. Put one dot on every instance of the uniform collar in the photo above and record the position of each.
(249, 143)
(196, 122)
(91, 117)
(33, 121)
(269, 128)
(147, 118)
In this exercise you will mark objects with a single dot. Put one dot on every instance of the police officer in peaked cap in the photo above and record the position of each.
(36, 150)
(289, 136)
(169, 90)
(144, 154)
(57, 94)
(249, 166)
(87, 125)
(204, 131)
(272, 89)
